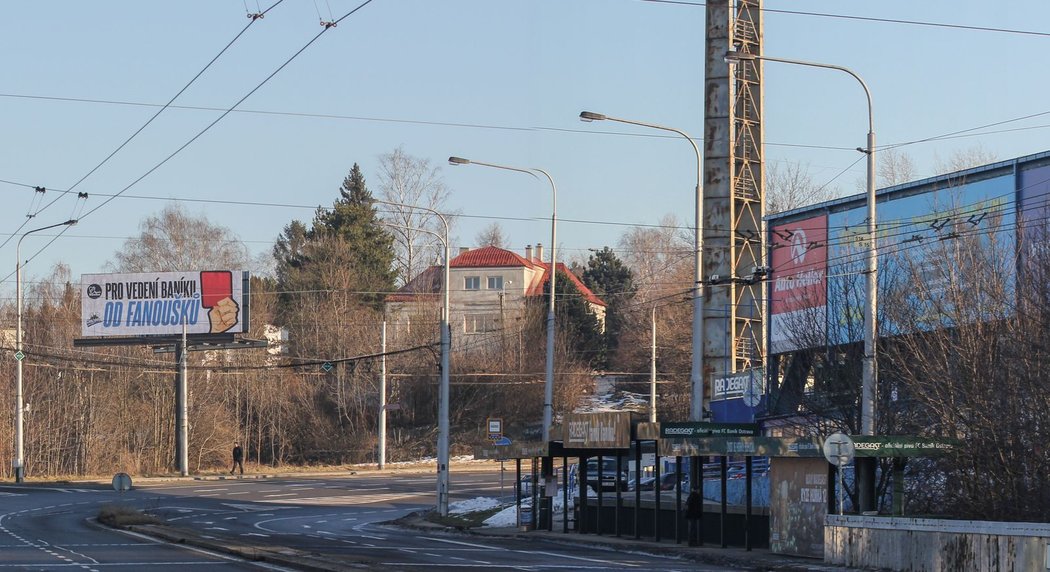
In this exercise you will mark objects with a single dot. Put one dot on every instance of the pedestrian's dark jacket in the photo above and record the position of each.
(238, 455)
(694, 505)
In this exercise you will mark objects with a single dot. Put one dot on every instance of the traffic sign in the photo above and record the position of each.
(327, 366)
(495, 428)
(839, 449)
(501, 442)
(19, 355)
(121, 482)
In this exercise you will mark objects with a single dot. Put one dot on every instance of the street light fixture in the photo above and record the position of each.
(548, 389)
(696, 372)
(19, 461)
(869, 379)
(446, 343)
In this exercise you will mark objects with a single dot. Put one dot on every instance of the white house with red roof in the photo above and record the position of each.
(488, 290)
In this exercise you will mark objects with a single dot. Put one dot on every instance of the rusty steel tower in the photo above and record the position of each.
(734, 242)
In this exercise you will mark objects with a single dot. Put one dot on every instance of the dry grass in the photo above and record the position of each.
(118, 515)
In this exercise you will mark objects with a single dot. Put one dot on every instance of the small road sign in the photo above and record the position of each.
(839, 449)
(121, 482)
(495, 426)
(327, 366)
(19, 356)
(501, 442)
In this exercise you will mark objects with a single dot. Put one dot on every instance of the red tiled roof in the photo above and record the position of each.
(428, 282)
(490, 257)
(537, 288)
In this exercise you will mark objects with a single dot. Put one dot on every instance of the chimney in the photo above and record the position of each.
(528, 252)
(539, 252)
(463, 249)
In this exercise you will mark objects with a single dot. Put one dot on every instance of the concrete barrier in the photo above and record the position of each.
(899, 543)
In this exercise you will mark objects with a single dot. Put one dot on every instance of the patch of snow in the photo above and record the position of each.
(473, 505)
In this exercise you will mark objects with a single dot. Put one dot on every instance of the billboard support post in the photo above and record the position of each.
(181, 421)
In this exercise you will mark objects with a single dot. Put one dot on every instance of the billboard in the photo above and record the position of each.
(917, 234)
(798, 294)
(160, 303)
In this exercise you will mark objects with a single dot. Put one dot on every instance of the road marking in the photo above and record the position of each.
(460, 543)
(209, 490)
(596, 560)
(282, 495)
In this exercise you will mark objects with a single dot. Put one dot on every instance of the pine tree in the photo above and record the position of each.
(609, 278)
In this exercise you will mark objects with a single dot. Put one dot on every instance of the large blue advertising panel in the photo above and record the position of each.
(913, 233)
(1033, 185)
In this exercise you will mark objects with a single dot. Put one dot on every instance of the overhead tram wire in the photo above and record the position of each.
(874, 19)
(210, 125)
(141, 128)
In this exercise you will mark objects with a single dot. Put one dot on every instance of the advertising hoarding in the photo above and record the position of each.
(799, 282)
(597, 430)
(913, 235)
(159, 303)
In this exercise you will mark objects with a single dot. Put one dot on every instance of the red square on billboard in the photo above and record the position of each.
(799, 263)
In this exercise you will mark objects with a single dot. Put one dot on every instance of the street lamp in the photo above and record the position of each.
(868, 379)
(548, 389)
(696, 372)
(19, 356)
(446, 343)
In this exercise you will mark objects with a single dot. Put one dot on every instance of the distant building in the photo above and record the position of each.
(488, 291)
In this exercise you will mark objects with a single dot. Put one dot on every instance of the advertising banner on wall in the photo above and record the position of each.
(799, 283)
(159, 303)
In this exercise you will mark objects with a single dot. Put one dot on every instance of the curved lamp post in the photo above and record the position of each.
(548, 388)
(696, 371)
(446, 343)
(866, 472)
(19, 460)
(867, 410)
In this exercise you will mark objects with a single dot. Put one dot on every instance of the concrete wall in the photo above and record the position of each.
(919, 544)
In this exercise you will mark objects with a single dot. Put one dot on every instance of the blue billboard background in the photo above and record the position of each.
(911, 230)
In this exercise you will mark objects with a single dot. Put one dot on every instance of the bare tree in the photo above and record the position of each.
(175, 240)
(790, 186)
(409, 180)
(894, 168)
(961, 159)
(491, 235)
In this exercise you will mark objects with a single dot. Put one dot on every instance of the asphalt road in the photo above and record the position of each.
(344, 518)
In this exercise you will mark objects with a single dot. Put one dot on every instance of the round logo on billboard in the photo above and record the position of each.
(94, 291)
(799, 246)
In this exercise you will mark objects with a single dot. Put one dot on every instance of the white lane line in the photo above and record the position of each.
(470, 544)
(281, 495)
(570, 557)
(210, 490)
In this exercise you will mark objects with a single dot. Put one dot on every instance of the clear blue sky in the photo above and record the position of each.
(499, 81)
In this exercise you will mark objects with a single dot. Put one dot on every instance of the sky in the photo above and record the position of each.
(500, 82)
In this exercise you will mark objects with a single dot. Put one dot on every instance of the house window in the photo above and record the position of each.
(479, 323)
(472, 283)
(495, 282)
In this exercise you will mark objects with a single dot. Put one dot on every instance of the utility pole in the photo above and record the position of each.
(382, 398)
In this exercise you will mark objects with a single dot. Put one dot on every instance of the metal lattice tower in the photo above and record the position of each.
(733, 191)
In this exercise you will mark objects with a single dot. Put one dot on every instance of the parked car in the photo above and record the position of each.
(644, 484)
(667, 482)
(611, 479)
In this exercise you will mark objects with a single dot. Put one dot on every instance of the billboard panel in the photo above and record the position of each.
(159, 303)
(799, 282)
(917, 234)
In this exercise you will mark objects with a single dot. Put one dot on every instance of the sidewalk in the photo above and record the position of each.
(731, 558)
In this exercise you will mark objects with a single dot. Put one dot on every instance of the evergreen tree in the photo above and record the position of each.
(609, 278)
(576, 321)
(347, 237)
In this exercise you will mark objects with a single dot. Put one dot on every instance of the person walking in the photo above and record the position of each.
(238, 458)
(694, 513)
